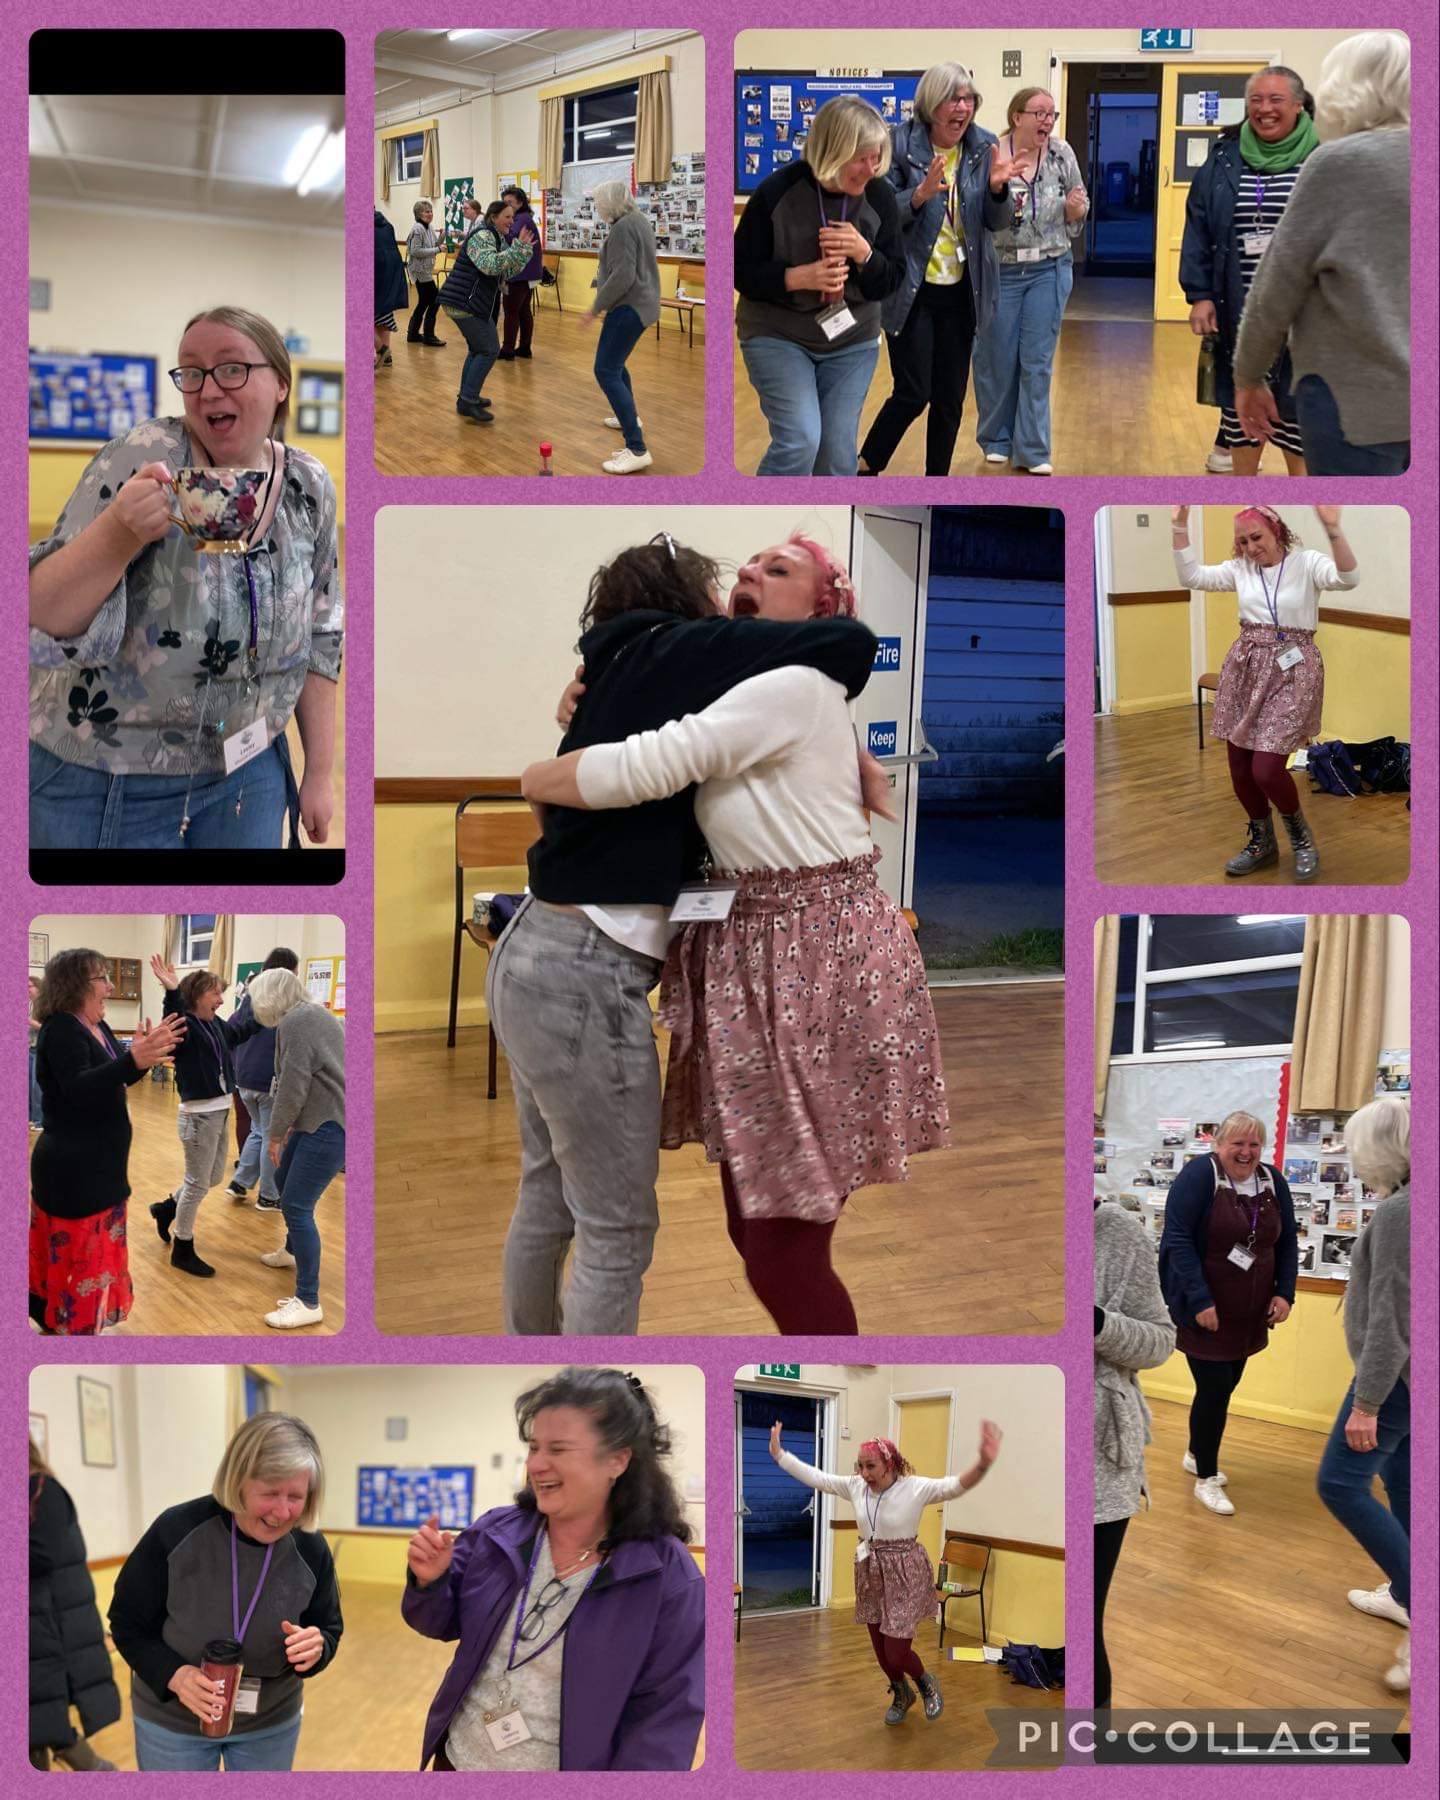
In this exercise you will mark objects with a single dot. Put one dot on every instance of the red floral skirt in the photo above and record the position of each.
(894, 1587)
(79, 1272)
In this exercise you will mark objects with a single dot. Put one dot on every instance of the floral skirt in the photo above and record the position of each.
(894, 1587)
(1260, 706)
(79, 1272)
(804, 1051)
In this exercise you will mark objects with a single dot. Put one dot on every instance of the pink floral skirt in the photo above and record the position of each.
(894, 1587)
(804, 1051)
(1260, 706)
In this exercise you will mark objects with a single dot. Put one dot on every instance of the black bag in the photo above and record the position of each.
(1384, 765)
(547, 277)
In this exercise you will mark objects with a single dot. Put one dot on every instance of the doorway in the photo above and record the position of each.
(779, 1523)
(923, 1437)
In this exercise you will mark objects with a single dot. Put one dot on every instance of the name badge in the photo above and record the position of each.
(1289, 659)
(507, 1731)
(245, 745)
(862, 1551)
(1256, 243)
(1241, 1257)
(247, 1695)
(704, 900)
(835, 321)
(1028, 253)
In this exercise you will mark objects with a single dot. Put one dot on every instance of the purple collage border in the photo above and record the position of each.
(1086, 898)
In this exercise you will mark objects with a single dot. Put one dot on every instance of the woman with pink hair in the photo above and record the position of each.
(1272, 682)
(894, 1583)
(804, 1053)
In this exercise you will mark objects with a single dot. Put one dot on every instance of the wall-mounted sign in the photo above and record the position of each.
(1167, 37)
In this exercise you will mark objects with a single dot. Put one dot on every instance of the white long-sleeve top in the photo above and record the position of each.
(777, 767)
(893, 1513)
(1294, 587)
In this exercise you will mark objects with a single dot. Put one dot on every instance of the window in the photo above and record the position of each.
(409, 152)
(1192, 986)
(197, 934)
(601, 126)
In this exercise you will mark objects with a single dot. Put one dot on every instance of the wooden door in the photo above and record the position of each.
(925, 1445)
(1183, 140)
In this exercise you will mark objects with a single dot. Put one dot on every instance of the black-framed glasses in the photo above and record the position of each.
(228, 376)
(545, 1601)
(1044, 118)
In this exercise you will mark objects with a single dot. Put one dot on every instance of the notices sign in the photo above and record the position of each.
(404, 1498)
(779, 103)
(319, 978)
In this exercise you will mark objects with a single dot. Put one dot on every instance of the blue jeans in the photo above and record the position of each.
(36, 1103)
(272, 1748)
(309, 1163)
(811, 400)
(1327, 450)
(621, 332)
(1014, 356)
(1345, 1479)
(253, 1160)
(483, 344)
(75, 808)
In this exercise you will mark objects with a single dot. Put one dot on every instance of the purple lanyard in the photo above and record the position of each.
(1259, 200)
(873, 1521)
(212, 1037)
(510, 1663)
(105, 1044)
(820, 202)
(243, 1625)
(1273, 605)
(1030, 186)
(254, 608)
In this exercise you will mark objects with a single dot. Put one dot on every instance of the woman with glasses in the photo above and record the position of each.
(579, 1612)
(1037, 175)
(154, 663)
(939, 168)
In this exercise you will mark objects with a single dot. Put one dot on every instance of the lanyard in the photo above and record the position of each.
(211, 1033)
(1031, 187)
(104, 1044)
(873, 1519)
(820, 202)
(243, 1625)
(1273, 605)
(510, 1663)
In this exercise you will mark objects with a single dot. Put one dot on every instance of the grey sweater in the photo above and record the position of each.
(1377, 1302)
(1336, 278)
(1137, 1333)
(629, 274)
(309, 1071)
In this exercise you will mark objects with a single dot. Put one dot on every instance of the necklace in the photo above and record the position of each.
(574, 1567)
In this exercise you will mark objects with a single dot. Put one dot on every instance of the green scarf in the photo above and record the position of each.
(1289, 153)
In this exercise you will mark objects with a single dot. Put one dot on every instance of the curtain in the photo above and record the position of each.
(430, 166)
(652, 128)
(1337, 1014)
(387, 156)
(551, 158)
(222, 948)
(171, 934)
(1107, 969)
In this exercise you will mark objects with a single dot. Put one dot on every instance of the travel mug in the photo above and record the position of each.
(221, 1665)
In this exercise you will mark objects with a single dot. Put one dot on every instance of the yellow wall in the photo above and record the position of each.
(1152, 657)
(1024, 1595)
(1367, 682)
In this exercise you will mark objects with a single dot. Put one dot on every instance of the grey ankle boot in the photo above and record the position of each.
(1260, 849)
(931, 1695)
(1307, 857)
(904, 1699)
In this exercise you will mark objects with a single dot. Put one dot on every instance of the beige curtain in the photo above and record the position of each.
(1107, 968)
(430, 165)
(222, 948)
(387, 156)
(551, 158)
(170, 937)
(1337, 1015)
(652, 128)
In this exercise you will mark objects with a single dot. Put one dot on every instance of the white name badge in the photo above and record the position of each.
(507, 1731)
(1241, 1257)
(836, 321)
(706, 900)
(1028, 253)
(863, 1551)
(1256, 243)
(247, 1695)
(1292, 656)
(245, 745)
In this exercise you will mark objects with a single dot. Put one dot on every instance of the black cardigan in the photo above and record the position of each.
(1188, 1203)
(80, 1164)
(69, 1663)
(204, 1067)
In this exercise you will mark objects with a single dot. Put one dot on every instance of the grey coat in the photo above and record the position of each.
(981, 213)
(1137, 1333)
(1377, 1302)
(629, 274)
(309, 1071)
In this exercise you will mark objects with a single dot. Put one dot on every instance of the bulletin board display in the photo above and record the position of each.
(458, 189)
(320, 402)
(1205, 104)
(675, 208)
(90, 398)
(774, 107)
(391, 1495)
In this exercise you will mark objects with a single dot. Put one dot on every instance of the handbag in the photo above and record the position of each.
(1384, 765)
(1207, 391)
(1331, 770)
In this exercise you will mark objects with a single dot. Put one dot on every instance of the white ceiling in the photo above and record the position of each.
(217, 156)
(414, 69)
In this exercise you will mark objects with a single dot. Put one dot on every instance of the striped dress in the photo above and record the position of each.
(1263, 197)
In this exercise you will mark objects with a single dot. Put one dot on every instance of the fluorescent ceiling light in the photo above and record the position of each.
(1204, 1043)
(301, 157)
(469, 31)
(329, 160)
(1266, 918)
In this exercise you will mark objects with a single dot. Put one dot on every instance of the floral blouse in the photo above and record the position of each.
(1039, 208)
(164, 673)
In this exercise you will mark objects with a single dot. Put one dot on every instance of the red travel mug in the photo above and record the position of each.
(222, 1666)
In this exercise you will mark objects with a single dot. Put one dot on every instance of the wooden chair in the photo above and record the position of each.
(1206, 684)
(739, 1609)
(960, 1554)
(494, 839)
(552, 263)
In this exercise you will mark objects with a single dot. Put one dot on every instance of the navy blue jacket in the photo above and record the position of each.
(1187, 1224)
(255, 1057)
(981, 212)
(391, 289)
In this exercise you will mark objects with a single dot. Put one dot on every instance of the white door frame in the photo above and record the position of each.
(827, 1398)
(1104, 612)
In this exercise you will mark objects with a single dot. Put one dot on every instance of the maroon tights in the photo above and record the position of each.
(896, 1656)
(1261, 780)
(787, 1263)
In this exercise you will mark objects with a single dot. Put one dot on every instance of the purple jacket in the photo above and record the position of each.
(531, 271)
(632, 1687)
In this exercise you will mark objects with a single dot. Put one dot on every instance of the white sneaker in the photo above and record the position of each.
(615, 424)
(1210, 1493)
(1040, 469)
(1378, 1603)
(1397, 1676)
(996, 456)
(1219, 462)
(626, 462)
(278, 1259)
(292, 1313)
(1187, 1463)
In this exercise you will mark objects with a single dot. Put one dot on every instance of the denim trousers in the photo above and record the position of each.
(254, 1162)
(76, 808)
(811, 400)
(1346, 1477)
(1327, 450)
(621, 332)
(569, 1006)
(1014, 357)
(309, 1162)
(36, 1103)
(270, 1749)
(483, 345)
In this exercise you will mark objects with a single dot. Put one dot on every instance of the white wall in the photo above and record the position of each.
(1141, 561)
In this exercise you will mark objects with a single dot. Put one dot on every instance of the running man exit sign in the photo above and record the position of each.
(1167, 37)
(781, 1371)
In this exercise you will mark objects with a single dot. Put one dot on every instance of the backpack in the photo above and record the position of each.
(1331, 770)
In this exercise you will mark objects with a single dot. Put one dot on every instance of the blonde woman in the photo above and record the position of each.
(817, 252)
(627, 297)
(239, 1576)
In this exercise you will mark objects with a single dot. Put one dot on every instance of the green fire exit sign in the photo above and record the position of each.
(781, 1371)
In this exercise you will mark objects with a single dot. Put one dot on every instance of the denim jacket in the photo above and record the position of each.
(981, 213)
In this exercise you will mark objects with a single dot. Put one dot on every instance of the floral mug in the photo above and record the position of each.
(219, 507)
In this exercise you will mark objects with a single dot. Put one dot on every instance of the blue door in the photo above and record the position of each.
(779, 1520)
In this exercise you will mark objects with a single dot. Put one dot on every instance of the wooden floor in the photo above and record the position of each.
(810, 1695)
(552, 398)
(1165, 812)
(973, 1243)
(1249, 1610)
(229, 1234)
(1122, 403)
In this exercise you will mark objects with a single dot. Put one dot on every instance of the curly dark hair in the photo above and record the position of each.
(281, 958)
(644, 1502)
(66, 986)
(661, 576)
(196, 983)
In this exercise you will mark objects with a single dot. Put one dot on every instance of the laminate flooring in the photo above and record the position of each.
(1165, 812)
(972, 1243)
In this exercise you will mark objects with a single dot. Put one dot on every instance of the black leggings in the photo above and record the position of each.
(896, 1656)
(1215, 1382)
(1261, 780)
(1108, 1539)
(929, 366)
(427, 305)
(787, 1263)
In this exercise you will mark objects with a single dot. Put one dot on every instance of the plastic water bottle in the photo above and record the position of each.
(545, 454)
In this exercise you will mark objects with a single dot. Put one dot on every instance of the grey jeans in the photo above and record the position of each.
(204, 1135)
(569, 1007)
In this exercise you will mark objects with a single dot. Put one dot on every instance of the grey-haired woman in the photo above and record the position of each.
(421, 248)
(627, 296)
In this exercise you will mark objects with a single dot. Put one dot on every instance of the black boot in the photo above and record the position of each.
(1302, 842)
(478, 410)
(182, 1256)
(931, 1695)
(434, 342)
(1260, 849)
(163, 1213)
(903, 1698)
